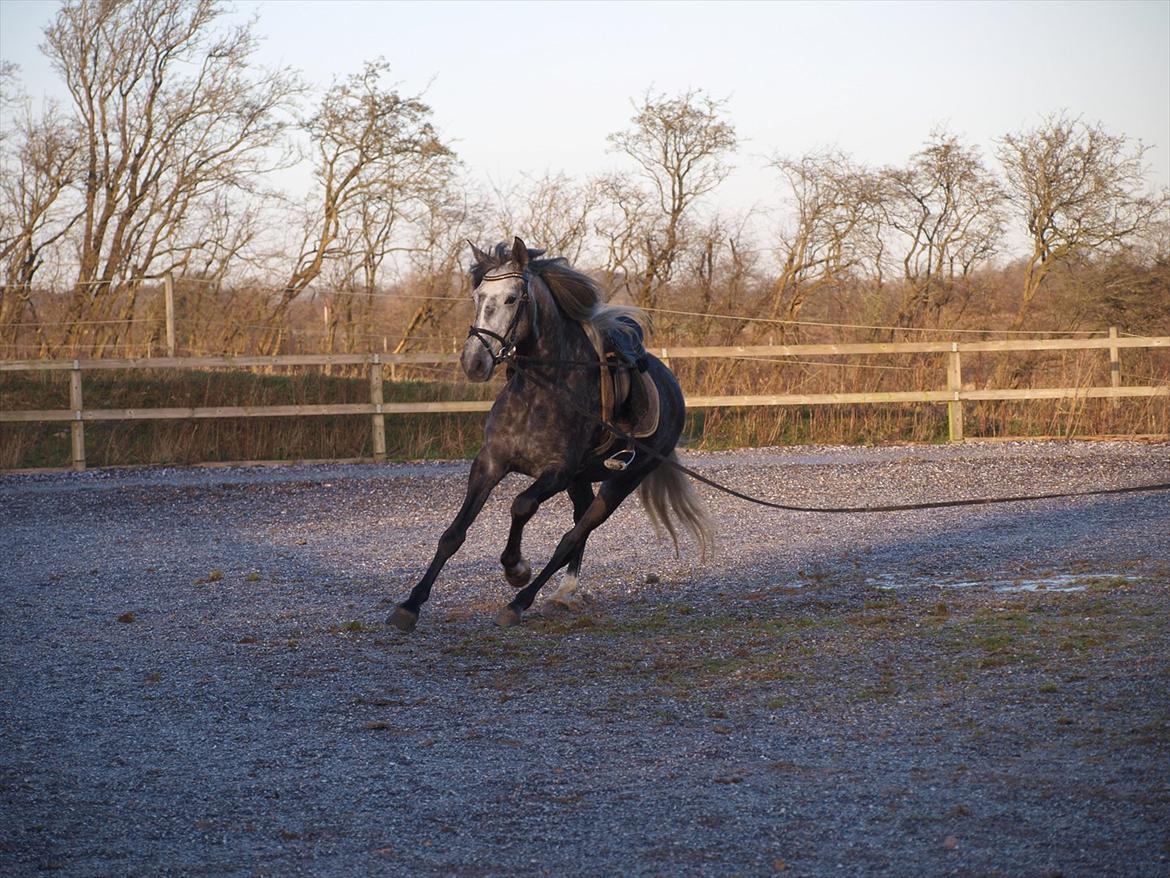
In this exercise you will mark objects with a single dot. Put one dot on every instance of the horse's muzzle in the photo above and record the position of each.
(476, 360)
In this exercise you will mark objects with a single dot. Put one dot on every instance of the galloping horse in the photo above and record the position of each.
(536, 315)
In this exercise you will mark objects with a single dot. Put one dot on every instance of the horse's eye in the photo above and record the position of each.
(511, 300)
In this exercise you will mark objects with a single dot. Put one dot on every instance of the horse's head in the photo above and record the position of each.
(504, 308)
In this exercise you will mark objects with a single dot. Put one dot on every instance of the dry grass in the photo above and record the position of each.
(114, 443)
(918, 422)
(458, 435)
(232, 321)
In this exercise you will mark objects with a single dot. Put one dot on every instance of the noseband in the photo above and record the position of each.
(508, 339)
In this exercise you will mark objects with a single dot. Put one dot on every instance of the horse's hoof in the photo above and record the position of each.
(508, 617)
(403, 619)
(565, 603)
(518, 574)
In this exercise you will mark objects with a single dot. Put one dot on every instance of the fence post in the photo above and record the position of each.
(377, 420)
(169, 299)
(1114, 365)
(76, 426)
(954, 385)
(328, 342)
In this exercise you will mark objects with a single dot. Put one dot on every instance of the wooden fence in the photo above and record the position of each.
(954, 395)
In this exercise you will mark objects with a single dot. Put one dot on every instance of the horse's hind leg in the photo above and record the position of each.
(485, 475)
(516, 569)
(610, 496)
(581, 493)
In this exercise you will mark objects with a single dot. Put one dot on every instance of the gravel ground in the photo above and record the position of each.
(196, 677)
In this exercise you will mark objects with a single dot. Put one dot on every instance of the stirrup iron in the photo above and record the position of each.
(621, 460)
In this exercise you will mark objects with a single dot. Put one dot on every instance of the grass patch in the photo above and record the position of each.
(113, 443)
(1105, 583)
(821, 656)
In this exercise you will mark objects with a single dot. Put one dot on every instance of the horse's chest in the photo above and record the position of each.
(535, 432)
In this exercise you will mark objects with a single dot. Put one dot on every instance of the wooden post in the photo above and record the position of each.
(327, 345)
(377, 420)
(76, 426)
(169, 298)
(954, 385)
(1114, 365)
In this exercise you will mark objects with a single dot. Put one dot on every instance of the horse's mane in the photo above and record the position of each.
(576, 294)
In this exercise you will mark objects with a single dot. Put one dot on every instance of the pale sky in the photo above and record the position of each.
(524, 88)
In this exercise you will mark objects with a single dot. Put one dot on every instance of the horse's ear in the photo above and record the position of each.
(519, 253)
(480, 256)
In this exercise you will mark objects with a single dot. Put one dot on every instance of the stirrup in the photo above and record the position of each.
(620, 460)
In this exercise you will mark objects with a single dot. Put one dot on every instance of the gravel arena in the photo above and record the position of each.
(198, 678)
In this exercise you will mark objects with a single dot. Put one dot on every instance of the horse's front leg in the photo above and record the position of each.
(516, 569)
(485, 475)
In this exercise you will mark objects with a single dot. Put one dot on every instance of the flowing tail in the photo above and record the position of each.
(667, 489)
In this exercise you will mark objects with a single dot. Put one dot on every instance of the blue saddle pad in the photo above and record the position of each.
(629, 345)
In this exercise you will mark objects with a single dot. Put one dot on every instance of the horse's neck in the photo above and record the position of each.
(554, 378)
(559, 338)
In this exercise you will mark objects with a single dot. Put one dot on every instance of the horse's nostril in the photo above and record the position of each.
(477, 369)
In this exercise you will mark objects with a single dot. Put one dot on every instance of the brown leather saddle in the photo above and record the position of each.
(629, 396)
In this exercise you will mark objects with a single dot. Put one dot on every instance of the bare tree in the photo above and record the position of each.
(723, 263)
(1080, 191)
(438, 278)
(681, 145)
(168, 111)
(946, 207)
(553, 212)
(36, 167)
(627, 229)
(9, 90)
(378, 160)
(36, 170)
(835, 227)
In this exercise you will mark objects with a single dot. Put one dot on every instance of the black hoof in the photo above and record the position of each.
(508, 617)
(403, 619)
(519, 574)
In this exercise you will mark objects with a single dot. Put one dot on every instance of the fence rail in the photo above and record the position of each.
(954, 395)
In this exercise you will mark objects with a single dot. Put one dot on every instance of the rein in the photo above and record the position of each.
(895, 507)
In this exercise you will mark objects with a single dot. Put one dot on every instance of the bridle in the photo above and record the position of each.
(508, 339)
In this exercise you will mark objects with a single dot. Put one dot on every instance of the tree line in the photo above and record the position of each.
(163, 161)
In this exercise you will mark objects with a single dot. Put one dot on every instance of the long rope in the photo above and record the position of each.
(893, 507)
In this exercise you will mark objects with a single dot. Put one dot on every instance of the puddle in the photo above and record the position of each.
(1060, 582)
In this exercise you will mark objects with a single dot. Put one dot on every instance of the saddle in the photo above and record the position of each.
(629, 396)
